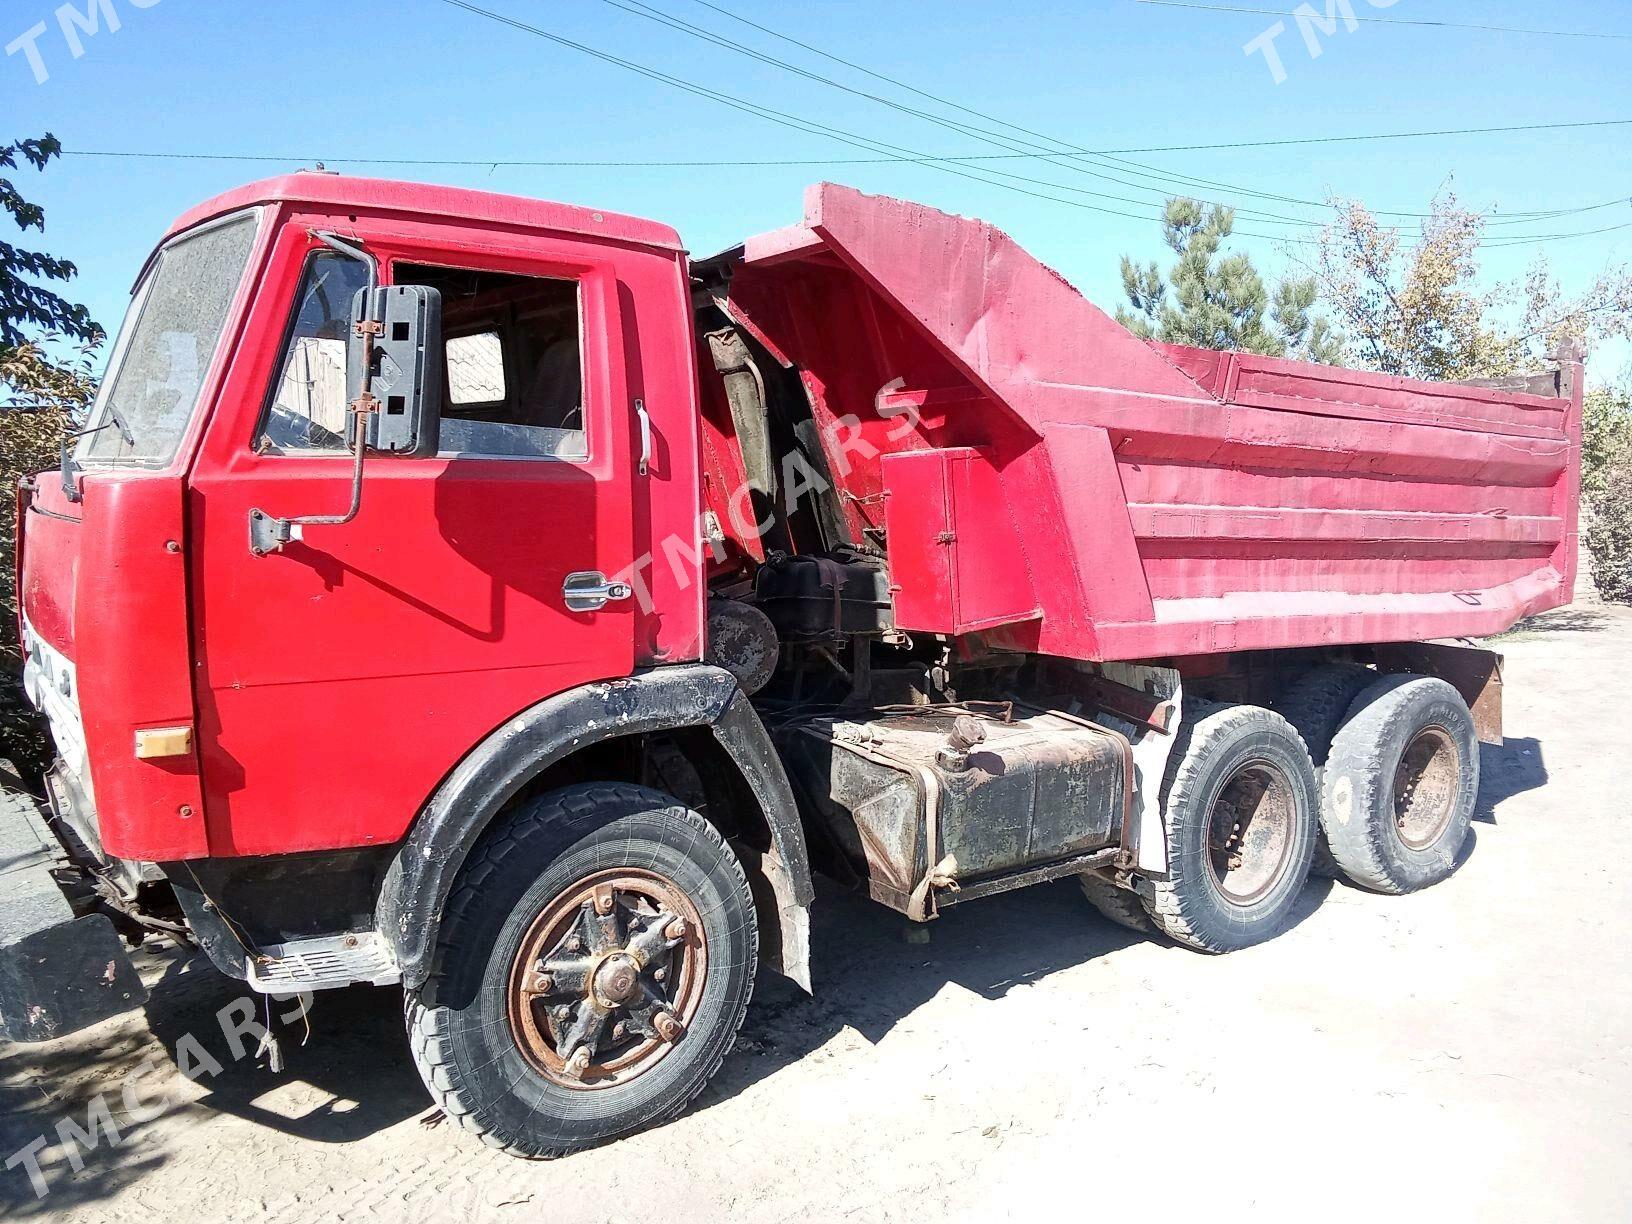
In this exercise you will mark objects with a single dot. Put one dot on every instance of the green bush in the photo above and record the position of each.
(1609, 531)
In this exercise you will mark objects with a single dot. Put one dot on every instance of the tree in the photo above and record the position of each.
(40, 391)
(1609, 531)
(1221, 303)
(1606, 435)
(1416, 308)
(36, 322)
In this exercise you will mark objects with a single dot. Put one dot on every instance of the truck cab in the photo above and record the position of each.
(477, 594)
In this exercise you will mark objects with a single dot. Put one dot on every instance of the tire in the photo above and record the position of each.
(1400, 784)
(1315, 704)
(1120, 905)
(495, 1053)
(1223, 895)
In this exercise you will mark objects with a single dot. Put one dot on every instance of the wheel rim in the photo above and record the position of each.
(1251, 832)
(607, 980)
(1427, 785)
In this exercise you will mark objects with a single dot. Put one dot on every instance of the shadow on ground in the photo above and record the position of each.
(1564, 620)
(356, 1067)
(1516, 766)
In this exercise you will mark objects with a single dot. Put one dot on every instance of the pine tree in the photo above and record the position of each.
(1221, 302)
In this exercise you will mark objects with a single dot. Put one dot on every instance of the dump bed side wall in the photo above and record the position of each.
(1070, 489)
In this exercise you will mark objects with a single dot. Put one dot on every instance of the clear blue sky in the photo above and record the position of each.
(418, 79)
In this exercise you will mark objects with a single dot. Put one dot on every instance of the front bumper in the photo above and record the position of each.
(59, 972)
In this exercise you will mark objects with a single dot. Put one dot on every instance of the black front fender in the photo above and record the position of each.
(422, 873)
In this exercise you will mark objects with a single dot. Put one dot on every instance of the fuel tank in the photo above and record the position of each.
(924, 800)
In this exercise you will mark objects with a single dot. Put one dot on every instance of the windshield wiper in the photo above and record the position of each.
(70, 469)
(118, 421)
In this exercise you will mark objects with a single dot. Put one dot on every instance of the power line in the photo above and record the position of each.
(1522, 240)
(795, 122)
(1053, 156)
(1066, 150)
(535, 163)
(1355, 138)
(1405, 21)
(496, 163)
(787, 119)
(895, 153)
(1309, 140)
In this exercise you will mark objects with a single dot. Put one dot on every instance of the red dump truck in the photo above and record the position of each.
(481, 595)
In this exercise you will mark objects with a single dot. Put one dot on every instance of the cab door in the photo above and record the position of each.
(339, 679)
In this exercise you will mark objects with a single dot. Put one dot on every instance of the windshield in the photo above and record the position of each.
(166, 346)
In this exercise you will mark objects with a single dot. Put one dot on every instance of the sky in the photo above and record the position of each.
(301, 81)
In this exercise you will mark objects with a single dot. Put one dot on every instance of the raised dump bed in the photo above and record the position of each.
(1044, 477)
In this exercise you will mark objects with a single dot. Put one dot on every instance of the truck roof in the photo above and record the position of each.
(329, 191)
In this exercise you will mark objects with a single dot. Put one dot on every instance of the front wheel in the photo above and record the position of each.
(595, 963)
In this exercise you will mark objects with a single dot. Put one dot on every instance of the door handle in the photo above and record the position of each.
(645, 419)
(588, 590)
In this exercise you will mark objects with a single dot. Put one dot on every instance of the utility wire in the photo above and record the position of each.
(1405, 21)
(787, 119)
(945, 163)
(1097, 157)
(1311, 140)
(533, 163)
(1053, 156)
(797, 123)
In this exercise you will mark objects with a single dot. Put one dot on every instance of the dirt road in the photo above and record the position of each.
(1461, 1054)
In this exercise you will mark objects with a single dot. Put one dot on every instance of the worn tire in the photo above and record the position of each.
(462, 1042)
(1384, 840)
(1315, 704)
(1218, 744)
(1120, 905)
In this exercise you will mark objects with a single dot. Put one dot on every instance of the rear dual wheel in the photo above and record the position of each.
(1315, 703)
(1401, 783)
(594, 965)
(1239, 801)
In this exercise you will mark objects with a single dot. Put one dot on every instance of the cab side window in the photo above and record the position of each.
(308, 408)
(512, 361)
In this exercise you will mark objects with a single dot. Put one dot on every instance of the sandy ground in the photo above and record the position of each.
(1460, 1054)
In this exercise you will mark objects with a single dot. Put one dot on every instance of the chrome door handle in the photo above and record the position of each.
(645, 419)
(589, 590)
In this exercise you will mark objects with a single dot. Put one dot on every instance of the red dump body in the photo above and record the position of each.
(1047, 479)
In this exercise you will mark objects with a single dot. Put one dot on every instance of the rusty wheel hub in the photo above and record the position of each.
(1252, 831)
(1427, 786)
(608, 977)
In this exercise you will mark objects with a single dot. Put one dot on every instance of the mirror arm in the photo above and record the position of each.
(269, 535)
(352, 251)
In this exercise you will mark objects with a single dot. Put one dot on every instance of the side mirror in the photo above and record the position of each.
(394, 380)
(394, 358)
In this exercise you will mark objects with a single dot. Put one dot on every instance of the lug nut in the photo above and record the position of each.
(578, 1063)
(620, 1030)
(676, 929)
(660, 973)
(563, 1013)
(543, 983)
(574, 944)
(603, 900)
(668, 1028)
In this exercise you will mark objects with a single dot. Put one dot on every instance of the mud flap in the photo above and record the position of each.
(58, 973)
